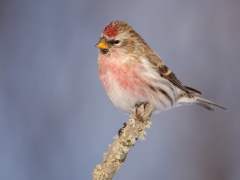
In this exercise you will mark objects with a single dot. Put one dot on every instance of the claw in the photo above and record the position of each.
(138, 104)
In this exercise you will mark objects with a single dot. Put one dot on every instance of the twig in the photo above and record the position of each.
(126, 138)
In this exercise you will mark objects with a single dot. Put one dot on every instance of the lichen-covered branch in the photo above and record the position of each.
(117, 153)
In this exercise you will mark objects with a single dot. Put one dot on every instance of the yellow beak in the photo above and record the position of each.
(102, 45)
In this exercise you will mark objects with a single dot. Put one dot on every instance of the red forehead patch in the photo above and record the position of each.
(110, 31)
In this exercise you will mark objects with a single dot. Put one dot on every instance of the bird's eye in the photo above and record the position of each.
(116, 41)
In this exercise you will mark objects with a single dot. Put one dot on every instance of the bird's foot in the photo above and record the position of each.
(138, 104)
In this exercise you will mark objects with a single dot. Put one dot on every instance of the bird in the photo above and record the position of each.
(133, 74)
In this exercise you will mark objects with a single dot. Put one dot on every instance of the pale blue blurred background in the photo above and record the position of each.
(55, 119)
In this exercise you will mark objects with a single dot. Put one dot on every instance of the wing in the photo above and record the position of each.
(169, 75)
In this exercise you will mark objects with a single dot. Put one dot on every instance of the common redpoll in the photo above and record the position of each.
(132, 73)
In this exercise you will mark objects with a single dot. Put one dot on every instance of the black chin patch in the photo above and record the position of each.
(104, 51)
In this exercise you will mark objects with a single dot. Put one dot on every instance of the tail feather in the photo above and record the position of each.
(199, 101)
(207, 104)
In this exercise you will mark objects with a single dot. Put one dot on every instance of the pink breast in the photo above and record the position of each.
(125, 75)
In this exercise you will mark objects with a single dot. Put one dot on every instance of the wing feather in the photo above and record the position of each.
(168, 74)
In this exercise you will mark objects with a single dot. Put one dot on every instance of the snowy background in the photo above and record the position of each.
(56, 120)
